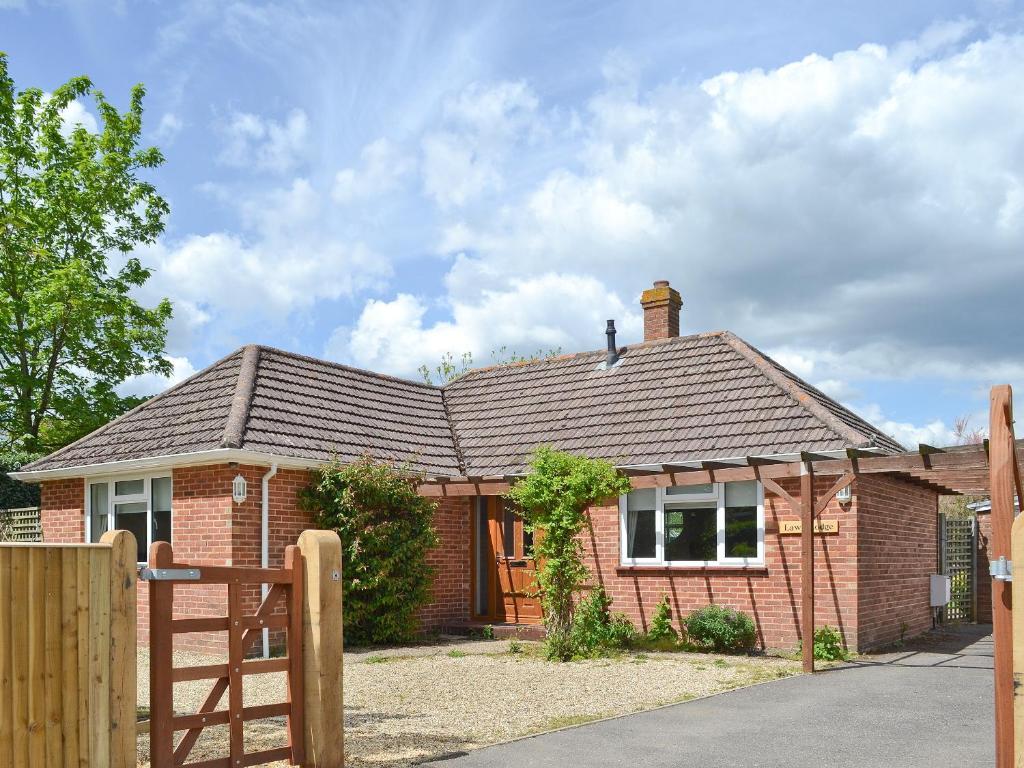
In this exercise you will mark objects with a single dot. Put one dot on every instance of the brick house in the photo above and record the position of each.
(166, 470)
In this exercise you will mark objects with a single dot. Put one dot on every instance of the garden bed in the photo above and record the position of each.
(408, 705)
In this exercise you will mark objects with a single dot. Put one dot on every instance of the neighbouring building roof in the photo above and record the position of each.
(701, 397)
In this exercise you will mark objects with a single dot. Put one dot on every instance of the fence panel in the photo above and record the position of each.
(67, 653)
(21, 525)
(959, 560)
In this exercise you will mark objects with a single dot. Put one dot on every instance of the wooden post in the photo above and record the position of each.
(294, 562)
(1017, 588)
(322, 649)
(123, 646)
(161, 645)
(1002, 460)
(807, 565)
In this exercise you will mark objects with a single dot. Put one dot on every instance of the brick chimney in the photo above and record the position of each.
(661, 311)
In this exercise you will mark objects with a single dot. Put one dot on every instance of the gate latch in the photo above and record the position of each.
(1001, 569)
(169, 574)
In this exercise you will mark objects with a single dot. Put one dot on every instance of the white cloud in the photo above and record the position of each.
(169, 127)
(483, 124)
(549, 311)
(252, 141)
(383, 167)
(934, 433)
(152, 384)
(75, 114)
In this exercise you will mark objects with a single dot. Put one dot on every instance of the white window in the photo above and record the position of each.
(141, 505)
(693, 525)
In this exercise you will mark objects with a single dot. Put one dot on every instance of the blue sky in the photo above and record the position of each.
(378, 183)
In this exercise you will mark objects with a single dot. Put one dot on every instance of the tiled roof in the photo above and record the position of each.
(708, 396)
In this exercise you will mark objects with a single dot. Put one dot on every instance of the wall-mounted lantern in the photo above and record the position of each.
(845, 494)
(238, 489)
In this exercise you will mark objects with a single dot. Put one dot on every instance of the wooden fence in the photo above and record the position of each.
(22, 524)
(68, 653)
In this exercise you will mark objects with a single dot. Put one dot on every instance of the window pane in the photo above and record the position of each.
(691, 533)
(98, 511)
(690, 490)
(741, 494)
(646, 498)
(132, 517)
(508, 534)
(129, 487)
(640, 533)
(741, 532)
(161, 490)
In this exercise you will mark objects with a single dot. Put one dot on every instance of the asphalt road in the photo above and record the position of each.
(929, 705)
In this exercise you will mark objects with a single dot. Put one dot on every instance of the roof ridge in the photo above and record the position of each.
(767, 367)
(459, 456)
(623, 349)
(335, 364)
(245, 385)
(144, 404)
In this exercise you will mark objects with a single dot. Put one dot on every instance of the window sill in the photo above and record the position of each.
(649, 570)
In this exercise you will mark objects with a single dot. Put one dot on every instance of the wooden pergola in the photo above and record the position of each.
(960, 470)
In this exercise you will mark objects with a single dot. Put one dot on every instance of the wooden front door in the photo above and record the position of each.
(505, 570)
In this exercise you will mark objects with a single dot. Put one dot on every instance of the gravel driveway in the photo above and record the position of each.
(408, 705)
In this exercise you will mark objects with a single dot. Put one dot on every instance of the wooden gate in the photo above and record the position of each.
(286, 592)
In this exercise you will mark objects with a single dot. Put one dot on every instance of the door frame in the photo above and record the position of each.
(490, 507)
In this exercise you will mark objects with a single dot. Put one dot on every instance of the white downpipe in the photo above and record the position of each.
(265, 543)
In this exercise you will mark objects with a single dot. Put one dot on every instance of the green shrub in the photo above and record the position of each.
(386, 531)
(828, 645)
(595, 632)
(719, 629)
(662, 631)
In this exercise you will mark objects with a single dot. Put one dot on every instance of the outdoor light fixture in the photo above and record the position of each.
(845, 494)
(238, 489)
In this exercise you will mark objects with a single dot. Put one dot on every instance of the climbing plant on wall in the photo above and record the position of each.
(553, 500)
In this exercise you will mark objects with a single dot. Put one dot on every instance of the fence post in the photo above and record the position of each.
(322, 649)
(161, 645)
(123, 650)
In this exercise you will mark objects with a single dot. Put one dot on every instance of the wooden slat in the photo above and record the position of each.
(35, 613)
(217, 671)
(122, 652)
(19, 657)
(69, 646)
(224, 716)
(254, 758)
(6, 669)
(235, 657)
(53, 671)
(294, 561)
(82, 682)
(230, 574)
(99, 656)
(220, 623)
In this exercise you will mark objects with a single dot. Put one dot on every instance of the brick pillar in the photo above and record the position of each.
(661, 311)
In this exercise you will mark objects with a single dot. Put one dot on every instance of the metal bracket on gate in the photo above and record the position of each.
(1001, 569)
(169, 574)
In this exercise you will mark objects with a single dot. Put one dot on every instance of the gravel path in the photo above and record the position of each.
(407, 705)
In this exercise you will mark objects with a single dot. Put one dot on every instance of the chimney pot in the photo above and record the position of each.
(661, 311)
(612, 355)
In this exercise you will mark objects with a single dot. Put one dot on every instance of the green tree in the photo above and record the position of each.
(386, 530)
(72, 207)
(553, 499)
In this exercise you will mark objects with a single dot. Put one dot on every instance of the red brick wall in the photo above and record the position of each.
(450, 561)
(62, 510)
(770, 595)
(984, 586)
(898, 531)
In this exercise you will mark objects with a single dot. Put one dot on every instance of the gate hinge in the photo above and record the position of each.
(1001, 569)
(169, 574)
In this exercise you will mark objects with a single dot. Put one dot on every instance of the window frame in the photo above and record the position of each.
(113, 500)
(671, 501)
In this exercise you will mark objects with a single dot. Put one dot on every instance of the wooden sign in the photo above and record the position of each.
(820, 526)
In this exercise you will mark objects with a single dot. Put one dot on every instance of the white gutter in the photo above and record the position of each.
(265, 543)
(192, 459)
